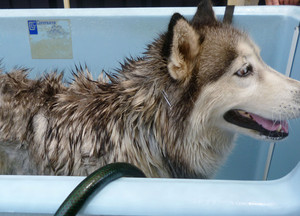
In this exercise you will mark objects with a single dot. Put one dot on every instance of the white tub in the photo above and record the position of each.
(101, 38)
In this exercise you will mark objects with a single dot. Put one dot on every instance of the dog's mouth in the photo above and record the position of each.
(271, 129)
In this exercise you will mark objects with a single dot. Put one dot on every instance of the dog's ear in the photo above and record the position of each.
(204, 15)
(183, 48)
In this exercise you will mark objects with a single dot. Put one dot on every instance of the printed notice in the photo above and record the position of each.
(50, 39)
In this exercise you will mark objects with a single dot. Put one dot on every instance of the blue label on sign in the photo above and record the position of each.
(32, 26)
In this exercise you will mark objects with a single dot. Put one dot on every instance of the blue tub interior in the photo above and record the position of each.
(101, 38)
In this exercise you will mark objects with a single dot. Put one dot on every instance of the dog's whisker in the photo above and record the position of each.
(166, 98)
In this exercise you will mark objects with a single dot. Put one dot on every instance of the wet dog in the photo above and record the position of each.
(174, 112)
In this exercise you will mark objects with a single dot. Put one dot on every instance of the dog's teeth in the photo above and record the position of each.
(241, 112)
(245, 114)
(279, 129)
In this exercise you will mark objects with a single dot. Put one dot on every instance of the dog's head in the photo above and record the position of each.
(219, 70)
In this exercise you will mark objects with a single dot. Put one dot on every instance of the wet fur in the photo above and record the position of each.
(142, 115)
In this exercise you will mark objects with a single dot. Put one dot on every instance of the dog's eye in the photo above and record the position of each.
(245, 71)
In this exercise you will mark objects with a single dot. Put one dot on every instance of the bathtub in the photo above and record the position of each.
(259, 178)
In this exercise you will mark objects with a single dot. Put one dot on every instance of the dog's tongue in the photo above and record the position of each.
(271, 125)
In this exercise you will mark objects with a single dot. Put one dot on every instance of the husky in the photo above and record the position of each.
(174, 112)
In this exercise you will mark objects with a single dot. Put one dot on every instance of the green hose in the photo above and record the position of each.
(97, 180)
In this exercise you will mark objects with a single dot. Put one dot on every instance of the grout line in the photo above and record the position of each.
(292, 52)
(268, 161)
